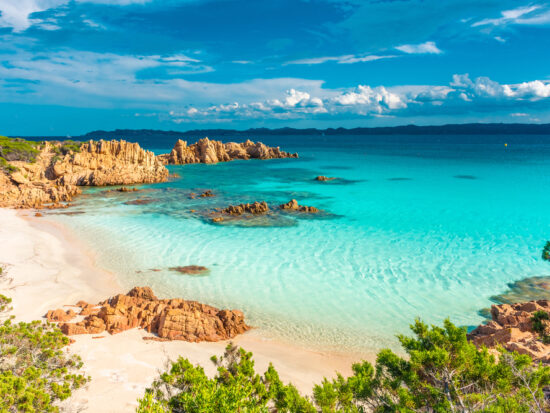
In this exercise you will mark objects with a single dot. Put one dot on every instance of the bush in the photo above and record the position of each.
(443, 372)
(235, 388)
(17, 149)
(35, 371)
(546, 251)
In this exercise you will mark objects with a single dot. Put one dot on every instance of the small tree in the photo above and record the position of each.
(443, 373)
(235, 388)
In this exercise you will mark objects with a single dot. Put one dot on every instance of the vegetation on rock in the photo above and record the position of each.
(546, 251)
(16, 149)
(443, 372)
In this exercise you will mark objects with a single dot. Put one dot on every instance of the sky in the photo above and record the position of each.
(71, 66)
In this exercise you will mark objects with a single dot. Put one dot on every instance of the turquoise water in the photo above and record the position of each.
(416, 226)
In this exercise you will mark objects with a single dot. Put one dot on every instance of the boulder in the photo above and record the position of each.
(169, 319)
(293, 205)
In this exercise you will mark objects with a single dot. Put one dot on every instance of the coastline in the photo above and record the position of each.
(48, 268)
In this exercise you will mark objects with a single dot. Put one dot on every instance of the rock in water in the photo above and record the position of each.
(324, 178)
(172, 319)
(255, 208)
(210, 151)
(190, 269)
(292, 205)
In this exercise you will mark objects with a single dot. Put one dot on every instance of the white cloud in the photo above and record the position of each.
(528, 15)
(16, 13)
(422, 48)
(345, 59)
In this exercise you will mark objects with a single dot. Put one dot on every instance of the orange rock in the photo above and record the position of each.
(512, 327)
(292, 205)
(60, 315)
(207, 151)
(170, 319)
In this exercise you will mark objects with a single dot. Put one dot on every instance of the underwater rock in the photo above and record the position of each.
(533, 288)
(293, 205)
(170, 319)
(190, 269)
(322, 178)
(141, 201)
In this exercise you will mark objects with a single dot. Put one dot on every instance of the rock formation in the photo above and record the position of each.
(170, 319)
(255, 208)
(292, 205)
(54, 177)
(210, 151)
(512, 327)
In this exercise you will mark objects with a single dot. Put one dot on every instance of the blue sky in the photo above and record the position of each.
(67, 67)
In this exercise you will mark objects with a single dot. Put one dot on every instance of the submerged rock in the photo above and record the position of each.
(528, 289)
(324, 178)
(512, 327)
(141, 201)
(171, 319)
(210, 151)
(293, 205)
(190, 269)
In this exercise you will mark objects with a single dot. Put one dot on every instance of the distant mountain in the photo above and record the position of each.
(152, 138)
(453, 129)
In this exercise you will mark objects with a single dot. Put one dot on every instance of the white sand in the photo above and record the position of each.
(48, 268)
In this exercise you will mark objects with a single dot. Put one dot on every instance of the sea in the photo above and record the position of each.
(428, 227)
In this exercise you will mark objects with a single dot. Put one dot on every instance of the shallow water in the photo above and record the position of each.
(422, 226)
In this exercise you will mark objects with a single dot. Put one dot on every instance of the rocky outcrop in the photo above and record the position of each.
(210, 151)
(104, 163)
(293, 205)
(54, 177)
(170, 319)
(255, 208)
(513, 328)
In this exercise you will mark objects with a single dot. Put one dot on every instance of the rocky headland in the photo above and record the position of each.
(521, 327)
(211, 151)
(33, 174)
(169, 319)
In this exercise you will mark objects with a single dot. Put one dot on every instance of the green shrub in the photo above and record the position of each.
(35, 371)
(235, 388)
(546, 251)
(442, 372)
(17, 149)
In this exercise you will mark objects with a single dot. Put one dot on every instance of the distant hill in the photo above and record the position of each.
(151, 138)
(452, 129)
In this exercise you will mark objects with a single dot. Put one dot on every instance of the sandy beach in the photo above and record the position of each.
(48, 268)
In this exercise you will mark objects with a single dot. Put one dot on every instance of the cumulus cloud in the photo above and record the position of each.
(462, 95)
(422, 48)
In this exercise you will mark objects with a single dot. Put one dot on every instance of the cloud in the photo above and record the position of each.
(422, 48)
(345, 59)
(17, 13)
(461, 96)
(527, 15)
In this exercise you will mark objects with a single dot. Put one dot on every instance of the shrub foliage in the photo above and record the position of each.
(441, 372)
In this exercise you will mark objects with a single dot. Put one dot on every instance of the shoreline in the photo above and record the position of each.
(48, 267)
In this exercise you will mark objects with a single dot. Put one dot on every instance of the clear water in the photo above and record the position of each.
(417, 226)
